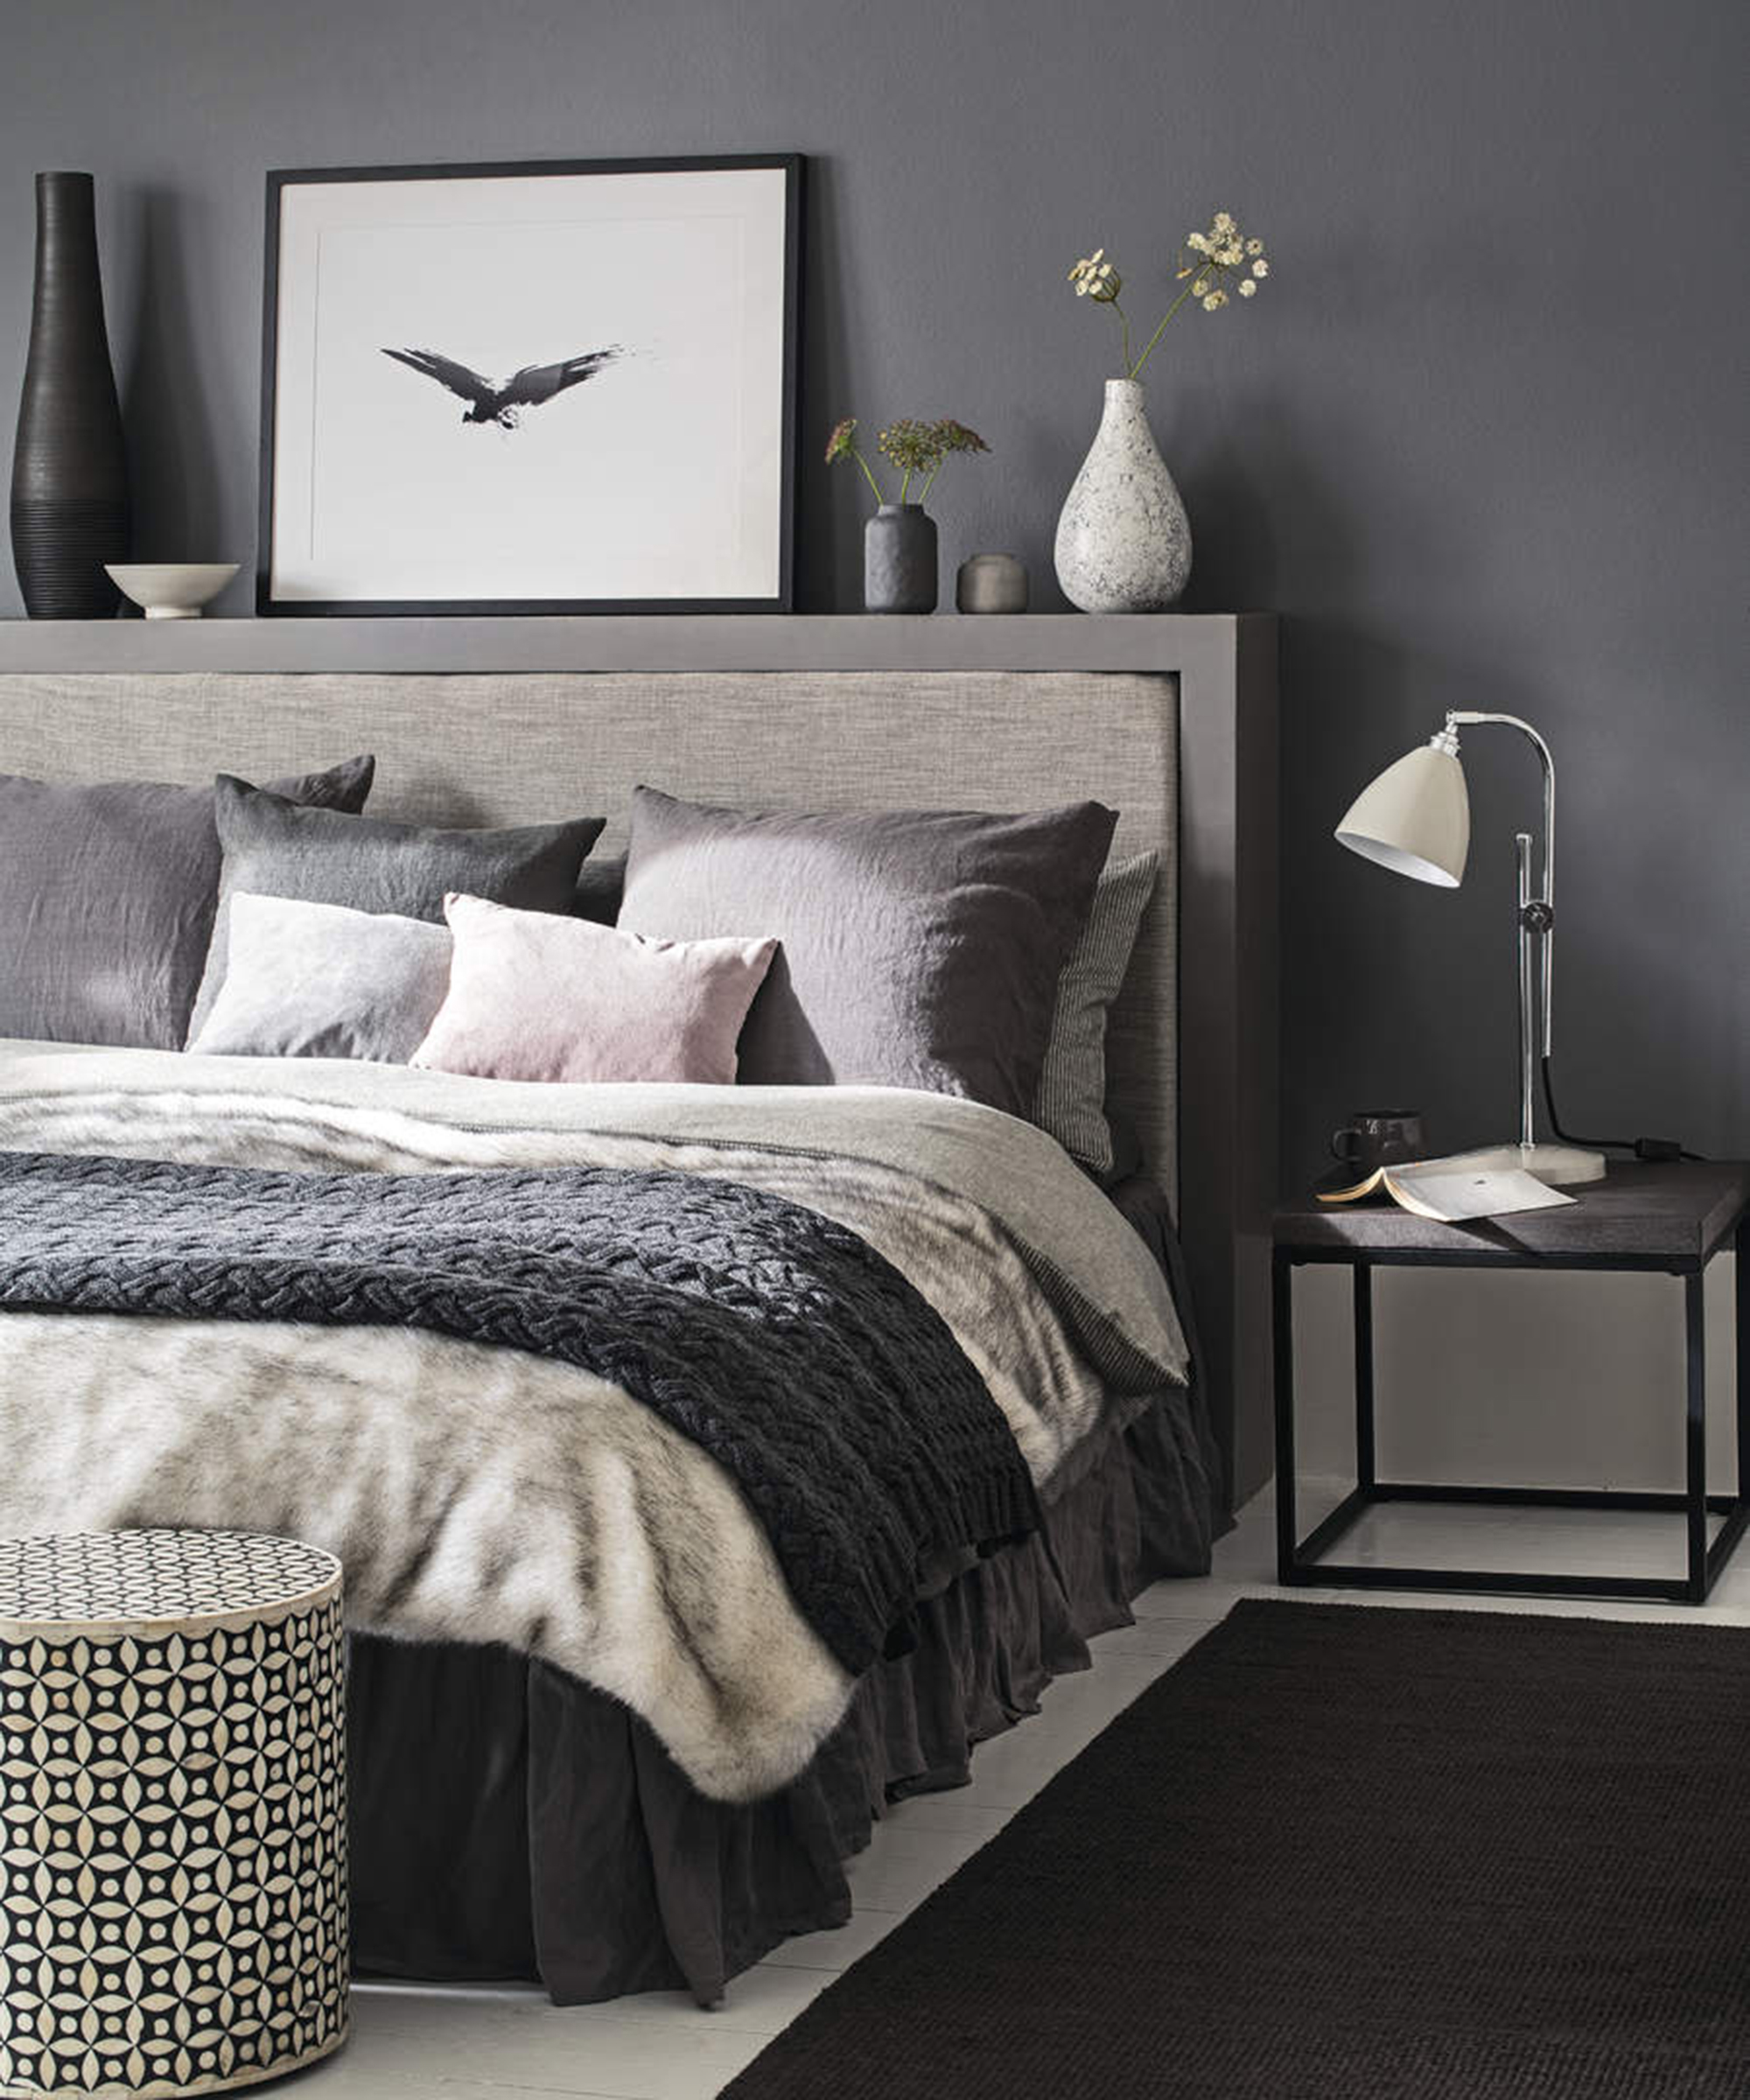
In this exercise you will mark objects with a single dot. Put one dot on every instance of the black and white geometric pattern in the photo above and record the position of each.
(173, 1812)
(144, 1576)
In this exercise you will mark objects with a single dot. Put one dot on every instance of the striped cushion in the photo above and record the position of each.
(1071, 1102)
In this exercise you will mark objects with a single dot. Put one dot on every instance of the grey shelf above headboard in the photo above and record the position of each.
(1170, 718)
(835, 641)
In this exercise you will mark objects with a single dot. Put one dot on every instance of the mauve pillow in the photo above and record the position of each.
(369, 865)
(107, 895)
(316, 980)
(535, 996)
(917, 947)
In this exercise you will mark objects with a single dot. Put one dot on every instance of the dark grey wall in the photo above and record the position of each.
(1482, 441)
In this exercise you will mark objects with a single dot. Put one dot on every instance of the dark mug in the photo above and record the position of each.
(1380, 1138)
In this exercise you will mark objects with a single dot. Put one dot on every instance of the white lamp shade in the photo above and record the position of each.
(1414, 819)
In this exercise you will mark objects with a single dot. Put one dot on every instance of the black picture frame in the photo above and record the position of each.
(278, 180)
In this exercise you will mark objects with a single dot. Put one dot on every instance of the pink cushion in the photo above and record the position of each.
(536, 996)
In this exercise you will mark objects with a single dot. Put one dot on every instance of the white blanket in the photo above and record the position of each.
(639, 1568)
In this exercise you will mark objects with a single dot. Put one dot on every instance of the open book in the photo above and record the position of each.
(1468, 1185)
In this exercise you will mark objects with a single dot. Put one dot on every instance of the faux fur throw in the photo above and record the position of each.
(778, 1341)
(483, 1494)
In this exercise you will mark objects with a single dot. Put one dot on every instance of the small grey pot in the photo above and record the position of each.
(992, 582)
(900, 560)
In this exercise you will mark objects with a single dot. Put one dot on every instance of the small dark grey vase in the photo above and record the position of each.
(900, 560)
(70, 509)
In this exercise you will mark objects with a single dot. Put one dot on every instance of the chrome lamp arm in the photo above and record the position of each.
(1537, 928)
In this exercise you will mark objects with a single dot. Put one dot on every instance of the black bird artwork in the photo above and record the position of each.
(498, 401)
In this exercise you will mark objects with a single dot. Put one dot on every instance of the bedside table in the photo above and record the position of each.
(1670, 1219)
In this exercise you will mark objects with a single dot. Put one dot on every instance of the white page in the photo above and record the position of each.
(1452, 1195)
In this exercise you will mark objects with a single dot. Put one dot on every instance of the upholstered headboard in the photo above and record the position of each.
(514, 747)
(1165, 746)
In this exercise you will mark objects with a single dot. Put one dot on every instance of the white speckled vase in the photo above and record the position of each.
(1123, 541)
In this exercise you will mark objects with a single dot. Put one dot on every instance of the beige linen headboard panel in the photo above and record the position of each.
(504, 747)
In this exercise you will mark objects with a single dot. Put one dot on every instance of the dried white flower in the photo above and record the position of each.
(1202, 267)
(1096, 278)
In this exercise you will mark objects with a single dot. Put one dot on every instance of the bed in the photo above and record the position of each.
(638, 1794)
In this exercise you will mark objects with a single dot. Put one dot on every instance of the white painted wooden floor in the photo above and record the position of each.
(484, 2044)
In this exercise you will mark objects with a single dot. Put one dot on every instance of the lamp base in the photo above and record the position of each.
(1560, 1165)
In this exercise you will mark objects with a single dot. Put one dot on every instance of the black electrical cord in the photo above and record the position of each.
(1664, 1149)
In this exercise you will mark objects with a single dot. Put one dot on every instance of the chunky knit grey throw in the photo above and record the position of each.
(778, 1341)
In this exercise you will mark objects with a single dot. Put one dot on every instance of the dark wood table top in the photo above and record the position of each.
(1649, 1215)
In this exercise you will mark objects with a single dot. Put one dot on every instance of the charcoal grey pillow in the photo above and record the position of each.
(107, 895)
(316, 980)
(917, 947)
(1072, 1093)
(601, 883)
(274, 848)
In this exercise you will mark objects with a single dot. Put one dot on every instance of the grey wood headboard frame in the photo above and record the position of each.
(1170, 720)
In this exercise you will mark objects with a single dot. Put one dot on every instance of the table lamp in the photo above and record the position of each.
(1415, 818)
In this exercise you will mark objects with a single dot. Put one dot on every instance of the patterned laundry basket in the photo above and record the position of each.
(173, 1812)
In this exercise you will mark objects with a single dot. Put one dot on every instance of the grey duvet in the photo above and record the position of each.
(490, 1494)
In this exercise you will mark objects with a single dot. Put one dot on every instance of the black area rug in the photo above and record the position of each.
(1345, 1854)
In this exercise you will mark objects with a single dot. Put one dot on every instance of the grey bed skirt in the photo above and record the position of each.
(510, 1822)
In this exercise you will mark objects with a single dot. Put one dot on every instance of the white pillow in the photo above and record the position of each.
(319, 980)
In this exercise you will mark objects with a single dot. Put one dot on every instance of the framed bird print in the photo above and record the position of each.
(548, 387)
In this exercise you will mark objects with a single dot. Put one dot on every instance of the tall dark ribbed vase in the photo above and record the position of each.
(70, 511)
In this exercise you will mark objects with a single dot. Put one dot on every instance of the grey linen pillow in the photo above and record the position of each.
(917, 947)
(274, 848)
(318, 980)
(107, 894)
(1072, 1091)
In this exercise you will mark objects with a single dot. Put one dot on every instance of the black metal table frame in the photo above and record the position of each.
(1297, 1559)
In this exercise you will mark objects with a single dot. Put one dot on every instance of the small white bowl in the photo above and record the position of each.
(170, 590)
